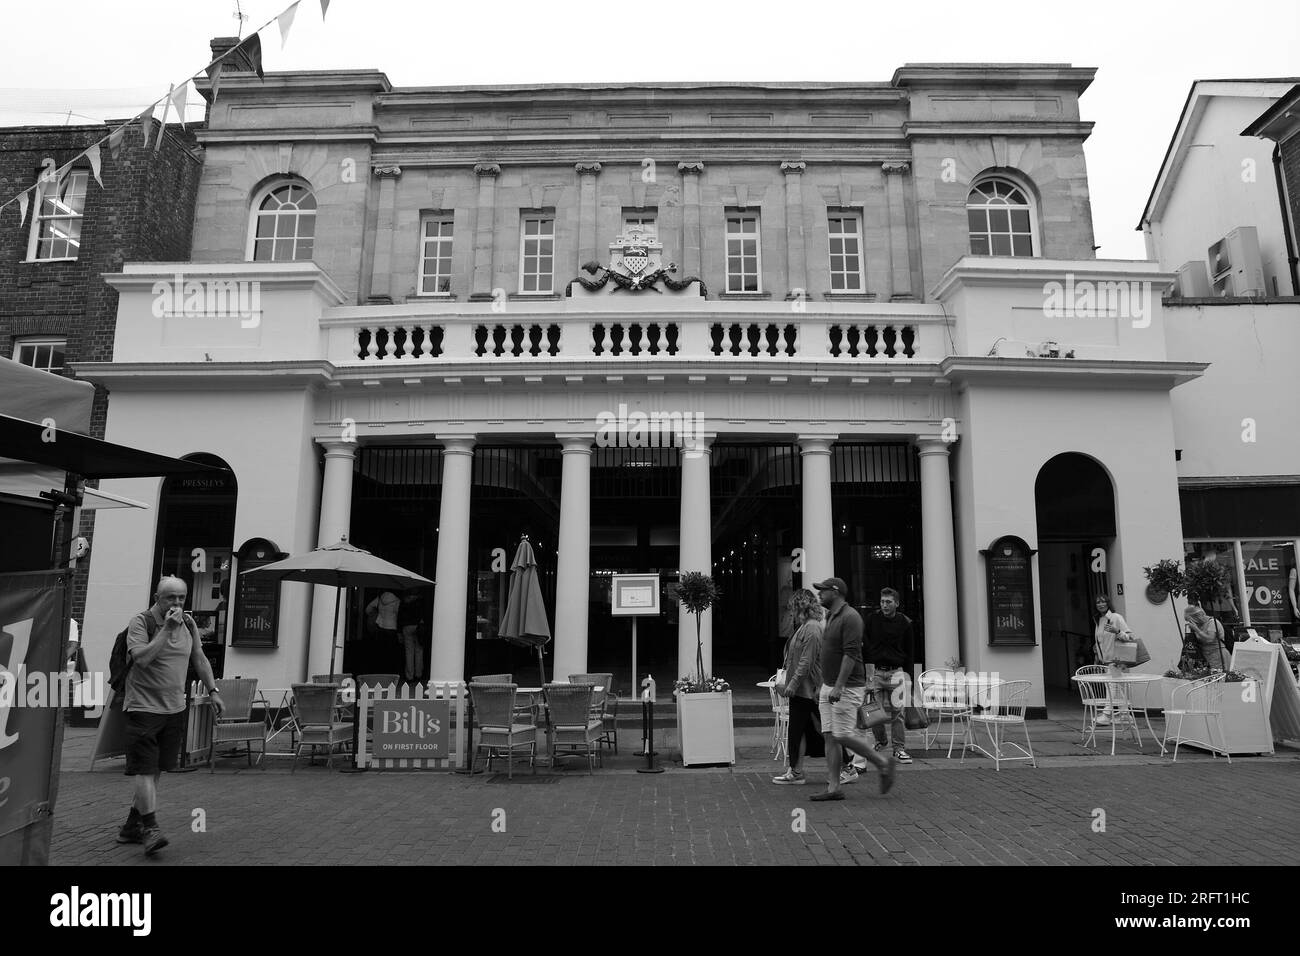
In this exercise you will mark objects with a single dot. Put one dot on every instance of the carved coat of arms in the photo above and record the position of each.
(635, 264)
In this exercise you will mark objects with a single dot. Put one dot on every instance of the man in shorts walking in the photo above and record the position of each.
(161, 650)
(841, 700)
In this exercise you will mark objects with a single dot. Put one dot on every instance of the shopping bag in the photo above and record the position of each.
(1142, 655)
(1124, 652)
(914, 718)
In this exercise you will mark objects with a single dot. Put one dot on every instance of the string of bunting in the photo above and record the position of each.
(175, 97)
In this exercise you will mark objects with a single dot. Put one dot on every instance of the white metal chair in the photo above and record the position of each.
(1203, 700)
(944, 695)
(780, 720)
(1096, 698)
(997, 707)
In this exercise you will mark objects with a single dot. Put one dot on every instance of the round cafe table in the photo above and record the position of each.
(1119, 698)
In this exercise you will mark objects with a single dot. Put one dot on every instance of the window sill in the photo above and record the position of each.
(445, 296)
(534, 295)
(849, 296)
(65, 259)
(744, 295)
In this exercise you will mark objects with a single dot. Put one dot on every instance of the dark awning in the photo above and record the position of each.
(85, 456)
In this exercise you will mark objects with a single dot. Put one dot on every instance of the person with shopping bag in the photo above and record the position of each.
(803, 680)
(1116, 647)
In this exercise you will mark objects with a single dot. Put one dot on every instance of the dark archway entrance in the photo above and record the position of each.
(1075, 507)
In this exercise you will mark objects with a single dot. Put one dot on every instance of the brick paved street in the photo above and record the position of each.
(1199, 811)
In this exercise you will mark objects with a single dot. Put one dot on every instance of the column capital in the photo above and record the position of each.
(574, 443)
(385, 170)
(457, 444)
(933, 445)
(816, 444)
(895, 169)
(699, 446)
(487, 169)
(696, 168)
(587, 169)
(793, 168)
(338, 447)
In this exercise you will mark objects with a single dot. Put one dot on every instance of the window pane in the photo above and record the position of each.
(1001, 245)
(979, 245)
(751, 283)
(1022, 246)
(304, 250)
(837, 245)
(976, 220)
(265, 226)
(548, 227)
(530, 283)
(56, 356)
(837, 263)
(999, 220)
(1227, 608)
(307, 226)
(853, 281)
(1020, 220)
(851, 264)
(837, 280)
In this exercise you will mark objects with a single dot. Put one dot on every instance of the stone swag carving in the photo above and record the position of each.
(635, 265)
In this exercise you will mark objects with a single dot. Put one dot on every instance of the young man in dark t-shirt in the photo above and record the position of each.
(887, 648)
(844, 689)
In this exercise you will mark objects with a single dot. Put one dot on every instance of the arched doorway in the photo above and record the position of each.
(194, 541)
(1075, 507)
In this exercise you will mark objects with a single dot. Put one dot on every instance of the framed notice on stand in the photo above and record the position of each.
(634, 595)
(1009, 566)
(256, 610)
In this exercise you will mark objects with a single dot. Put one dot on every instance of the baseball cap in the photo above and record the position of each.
(832, 584)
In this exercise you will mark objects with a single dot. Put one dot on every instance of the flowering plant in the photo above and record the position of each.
(690, 684)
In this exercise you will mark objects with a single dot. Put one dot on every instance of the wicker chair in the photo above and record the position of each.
(499, 730)
(236, 722)
(572, 725)
(318, 725)
(604, 706)
(377, 680)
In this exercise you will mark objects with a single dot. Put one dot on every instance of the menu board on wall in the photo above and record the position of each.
(1010, 591)
(1266, 564)
(257, 599)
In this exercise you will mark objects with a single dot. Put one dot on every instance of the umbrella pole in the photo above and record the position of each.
(541, 667)
(334, 633)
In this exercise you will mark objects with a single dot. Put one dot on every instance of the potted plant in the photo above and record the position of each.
(1167, 577)
(1245, 725)
(704, 723)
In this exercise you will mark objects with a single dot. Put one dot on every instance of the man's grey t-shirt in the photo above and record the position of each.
(159, 686)
(842, 638)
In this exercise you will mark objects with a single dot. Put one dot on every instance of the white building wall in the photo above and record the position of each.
(1226, 180)
(1252, 351)
(1011, 432)
(264, 437)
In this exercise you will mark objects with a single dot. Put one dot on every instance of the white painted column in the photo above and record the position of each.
(573, 569)
(818, 526)
(452, 575)
(696, 551)
(335, 523)
(938, 554)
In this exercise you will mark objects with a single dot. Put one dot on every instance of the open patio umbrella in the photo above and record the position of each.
(340, 565)
(523, 621)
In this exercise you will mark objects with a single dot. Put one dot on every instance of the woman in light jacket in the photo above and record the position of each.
(803, 679)
(1110, 626)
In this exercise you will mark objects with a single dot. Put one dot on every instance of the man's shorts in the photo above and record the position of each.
(841, 718)
(153, 742)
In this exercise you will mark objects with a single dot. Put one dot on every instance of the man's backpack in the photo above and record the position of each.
(119, 662)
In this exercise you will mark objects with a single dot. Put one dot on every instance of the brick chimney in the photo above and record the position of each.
(237, 62)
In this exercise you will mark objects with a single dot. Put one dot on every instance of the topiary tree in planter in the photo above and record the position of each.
(697, 592)
(1207, 583)
(1167, 575)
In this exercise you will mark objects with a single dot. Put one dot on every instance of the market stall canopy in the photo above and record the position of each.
(85, 456)
(94, 499)
(33, 395)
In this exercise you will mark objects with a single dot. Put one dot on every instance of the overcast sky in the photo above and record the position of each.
(103, 60)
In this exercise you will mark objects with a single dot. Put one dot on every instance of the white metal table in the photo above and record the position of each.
(1124, 713)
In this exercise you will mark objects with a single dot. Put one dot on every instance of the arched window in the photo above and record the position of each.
(284, 223)
(1000, 219)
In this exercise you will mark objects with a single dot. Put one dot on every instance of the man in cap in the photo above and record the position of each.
(844, 689)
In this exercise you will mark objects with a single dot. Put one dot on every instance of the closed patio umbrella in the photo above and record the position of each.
(523, 621)
(340, 565)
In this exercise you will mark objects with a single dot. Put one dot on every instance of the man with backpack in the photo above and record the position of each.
(161, 644)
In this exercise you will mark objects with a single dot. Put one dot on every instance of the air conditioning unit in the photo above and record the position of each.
(1193, 281)
(1235, 264)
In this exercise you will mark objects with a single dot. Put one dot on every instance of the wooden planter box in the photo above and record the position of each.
(705, 729)
(1245, 724)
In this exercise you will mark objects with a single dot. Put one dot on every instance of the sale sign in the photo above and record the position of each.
(1266, 564)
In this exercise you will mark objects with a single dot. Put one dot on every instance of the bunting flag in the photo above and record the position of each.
(144, 119)
(178, 100)
(92, 156)
(162, 125)
(252, 46)
(216, 81)
(22, 207)
(324, 8)
(286, 23)
(115, 141)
